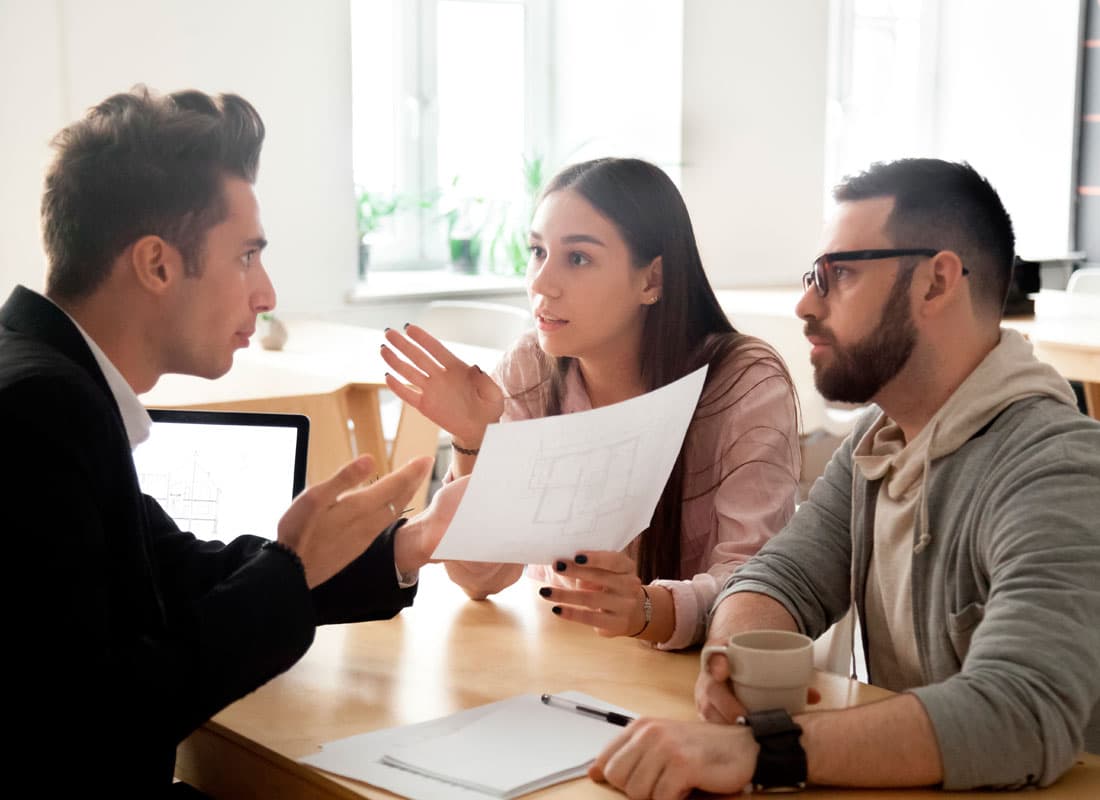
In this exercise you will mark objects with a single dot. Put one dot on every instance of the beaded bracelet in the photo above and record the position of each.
(279, 547)
(466, 451)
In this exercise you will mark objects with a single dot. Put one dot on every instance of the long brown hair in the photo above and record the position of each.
(681, 333)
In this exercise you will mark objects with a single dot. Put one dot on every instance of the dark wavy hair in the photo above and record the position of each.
(681, 333)
(139, 164)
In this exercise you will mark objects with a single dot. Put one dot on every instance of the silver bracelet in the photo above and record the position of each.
(647, 611)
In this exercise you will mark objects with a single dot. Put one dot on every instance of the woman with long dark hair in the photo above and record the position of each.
(622, 306)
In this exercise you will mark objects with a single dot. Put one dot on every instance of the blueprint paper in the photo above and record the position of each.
(361, 757)
(546, 488)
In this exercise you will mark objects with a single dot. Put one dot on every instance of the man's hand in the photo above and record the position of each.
(417, 539)
(663, 759)
(744, 611)
(714, 697)
(331, 524)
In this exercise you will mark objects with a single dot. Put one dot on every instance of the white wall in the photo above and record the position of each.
(753, 135)
(616, 80)
(32, 108)
(289, 59)
(1012, 121)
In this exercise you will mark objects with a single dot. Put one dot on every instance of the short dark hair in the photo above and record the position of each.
(140, 164)
(948, 206)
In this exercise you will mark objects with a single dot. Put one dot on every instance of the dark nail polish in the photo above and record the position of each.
(559, 566)
(556, 610)
(581, 558)
(405, 327)
(545, 591)
(386, 329)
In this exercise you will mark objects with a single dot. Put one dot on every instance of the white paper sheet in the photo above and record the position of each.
(546, 488)
(534, 730)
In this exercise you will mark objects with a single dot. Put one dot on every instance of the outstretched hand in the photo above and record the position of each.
(331, 524)
(457, 396)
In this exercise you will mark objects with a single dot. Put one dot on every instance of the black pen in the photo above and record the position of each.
(614, 717)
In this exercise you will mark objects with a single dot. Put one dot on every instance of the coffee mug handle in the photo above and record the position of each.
(710, 650)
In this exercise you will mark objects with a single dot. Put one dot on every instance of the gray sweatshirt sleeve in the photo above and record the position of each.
(807, 565)
(1016, 712)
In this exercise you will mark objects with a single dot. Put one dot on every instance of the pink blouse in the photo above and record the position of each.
(749, 435)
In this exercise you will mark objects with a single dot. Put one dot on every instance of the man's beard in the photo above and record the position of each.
(860, 370)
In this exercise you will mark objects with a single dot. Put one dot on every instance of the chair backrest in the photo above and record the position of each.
(1085, 280)
(481, 324)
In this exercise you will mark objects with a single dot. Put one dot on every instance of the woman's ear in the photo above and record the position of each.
(651, 291)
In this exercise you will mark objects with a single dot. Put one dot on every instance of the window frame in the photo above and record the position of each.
(416, 111)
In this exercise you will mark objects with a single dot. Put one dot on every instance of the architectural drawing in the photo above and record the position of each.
(188, 493)
(576, 485)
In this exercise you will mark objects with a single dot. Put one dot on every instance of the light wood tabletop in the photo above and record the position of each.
(445, 654)
(334, 374)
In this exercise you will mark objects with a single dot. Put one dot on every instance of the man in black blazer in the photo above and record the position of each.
(128, 633)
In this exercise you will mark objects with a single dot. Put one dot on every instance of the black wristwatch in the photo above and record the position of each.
(781, 765)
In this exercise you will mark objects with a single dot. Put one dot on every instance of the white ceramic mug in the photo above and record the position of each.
(769, 669)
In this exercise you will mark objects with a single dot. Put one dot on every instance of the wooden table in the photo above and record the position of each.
(1071, 347)
(333, 374)
(445, 654)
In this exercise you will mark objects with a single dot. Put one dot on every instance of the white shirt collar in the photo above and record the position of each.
(135, 418)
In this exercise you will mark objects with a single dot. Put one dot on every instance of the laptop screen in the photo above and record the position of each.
(220, 474)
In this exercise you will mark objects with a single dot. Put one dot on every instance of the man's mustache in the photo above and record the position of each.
(815, 329)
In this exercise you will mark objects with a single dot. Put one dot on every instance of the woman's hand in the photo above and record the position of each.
(605, 592)
(458, 397)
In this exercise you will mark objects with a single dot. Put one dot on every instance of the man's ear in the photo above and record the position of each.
(155, 264)
(654, 280)
(942, 281)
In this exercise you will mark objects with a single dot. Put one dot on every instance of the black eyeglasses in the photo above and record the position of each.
(818, 276)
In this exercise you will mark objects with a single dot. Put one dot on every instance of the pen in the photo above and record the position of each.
(614, 717)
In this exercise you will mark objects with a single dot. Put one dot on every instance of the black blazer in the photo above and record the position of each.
(128, 633)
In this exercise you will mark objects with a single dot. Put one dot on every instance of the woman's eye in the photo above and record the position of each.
(578, 259)
(246, 259)
(537, 252)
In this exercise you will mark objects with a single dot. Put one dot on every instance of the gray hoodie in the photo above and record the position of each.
(1008, 373)
(1005, 574)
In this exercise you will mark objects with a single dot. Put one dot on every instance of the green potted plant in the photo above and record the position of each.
(465, 217)
(508, 246)
(372, 209)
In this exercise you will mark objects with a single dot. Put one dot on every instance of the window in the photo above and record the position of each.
(448, 100)
(992, 82)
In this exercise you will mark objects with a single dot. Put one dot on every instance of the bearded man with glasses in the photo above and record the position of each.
(958, 521)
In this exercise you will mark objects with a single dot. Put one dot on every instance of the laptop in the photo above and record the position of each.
(220, 474)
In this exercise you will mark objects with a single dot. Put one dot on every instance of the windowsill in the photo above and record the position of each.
(388, 286)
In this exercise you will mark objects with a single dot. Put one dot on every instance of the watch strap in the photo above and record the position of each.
(781, 764)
